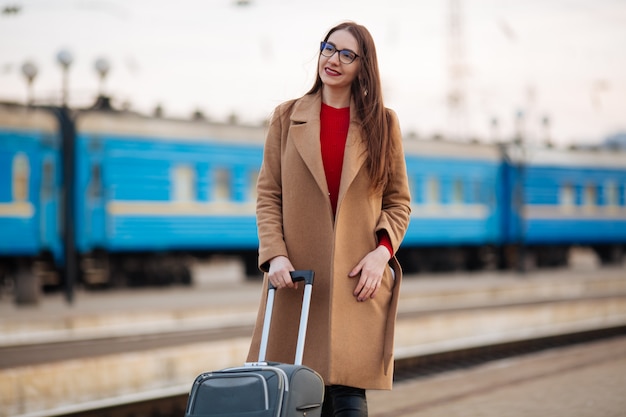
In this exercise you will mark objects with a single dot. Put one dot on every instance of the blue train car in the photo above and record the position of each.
(149, 194)
(457, 197)
(30, 187)
(569, 198)
(150, 191)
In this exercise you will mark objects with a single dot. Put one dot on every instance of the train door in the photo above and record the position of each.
(95, 205)
(23, 244)
(18, 208)
(49, 196)
(89, 199)
(90, 218)
(512, 201)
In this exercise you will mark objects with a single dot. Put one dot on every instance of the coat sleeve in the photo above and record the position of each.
(269, 192)
(396, 208)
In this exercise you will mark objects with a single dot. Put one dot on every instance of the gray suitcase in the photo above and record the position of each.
(263, 389)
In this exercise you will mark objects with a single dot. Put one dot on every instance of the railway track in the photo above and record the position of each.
(405, 370)
(29, 354)
(35, 354)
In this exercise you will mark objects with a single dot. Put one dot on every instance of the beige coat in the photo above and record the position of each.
(348, 342)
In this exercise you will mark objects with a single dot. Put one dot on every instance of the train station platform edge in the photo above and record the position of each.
(144, 310)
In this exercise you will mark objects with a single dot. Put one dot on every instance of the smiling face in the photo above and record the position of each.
(332, 71)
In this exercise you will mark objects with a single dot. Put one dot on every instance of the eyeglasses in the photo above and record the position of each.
(346, 56)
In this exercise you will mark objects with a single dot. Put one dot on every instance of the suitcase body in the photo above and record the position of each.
(258, 390)
(262, 389)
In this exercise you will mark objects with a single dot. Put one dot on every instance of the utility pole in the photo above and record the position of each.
(520, 201)
(457, 73)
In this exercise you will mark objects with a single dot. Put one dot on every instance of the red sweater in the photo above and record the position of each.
(334, 124)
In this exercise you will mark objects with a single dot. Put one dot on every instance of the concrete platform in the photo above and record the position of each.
(437, 313)
(230, 299)
(586, 380)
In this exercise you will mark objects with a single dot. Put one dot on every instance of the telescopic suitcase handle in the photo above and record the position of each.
(296, 276)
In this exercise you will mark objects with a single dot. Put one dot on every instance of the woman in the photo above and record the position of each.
(333, 197)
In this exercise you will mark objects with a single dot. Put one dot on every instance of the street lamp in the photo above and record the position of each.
(68, 146)
(102, 66)
(65, 58)
(29, 70)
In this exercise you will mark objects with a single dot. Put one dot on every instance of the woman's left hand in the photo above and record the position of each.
(371, 269)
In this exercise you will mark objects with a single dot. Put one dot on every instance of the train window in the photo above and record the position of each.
(433, 192)
(611, 194)
(184, 183)
(590, 197)
(567, 196)
(457, 192)
(252, 181)
(221, 185)
(21, 177)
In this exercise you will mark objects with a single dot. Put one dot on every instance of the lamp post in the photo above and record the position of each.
(29, 70)
(65, 59)
(102, 66)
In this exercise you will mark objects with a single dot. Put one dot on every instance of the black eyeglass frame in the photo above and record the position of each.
(341, 53)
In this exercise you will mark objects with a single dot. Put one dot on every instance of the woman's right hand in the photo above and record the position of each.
(278, 274)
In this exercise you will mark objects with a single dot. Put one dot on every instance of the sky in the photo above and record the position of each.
(552, 69)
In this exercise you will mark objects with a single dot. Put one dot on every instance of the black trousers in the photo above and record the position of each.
(343, 401)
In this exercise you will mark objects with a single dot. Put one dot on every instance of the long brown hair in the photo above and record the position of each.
(366, 92)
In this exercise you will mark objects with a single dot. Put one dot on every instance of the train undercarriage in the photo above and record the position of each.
(27, 278)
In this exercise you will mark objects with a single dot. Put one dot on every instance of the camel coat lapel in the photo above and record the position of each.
(305, 132)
